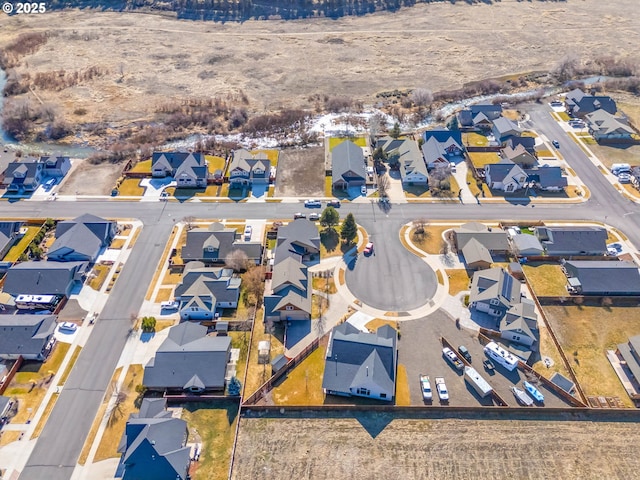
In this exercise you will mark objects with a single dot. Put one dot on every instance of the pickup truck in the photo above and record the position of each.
(452, 358)
(425, 386)
(441, 387)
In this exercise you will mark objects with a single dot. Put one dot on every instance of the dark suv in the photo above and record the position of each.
(462, 350)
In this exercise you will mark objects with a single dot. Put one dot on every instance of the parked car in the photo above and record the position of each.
(363, 189)
(299, 215)
(168, 305)
(49, 183)
(462, 350)
(452, 166)
(441, 387)
(333, 203)
(248, 230)
(312, 203)
(314, 216)
(624, 177)
(368, 249)
(452, 358)
(68, 327)
(556, 143)
(425, 386)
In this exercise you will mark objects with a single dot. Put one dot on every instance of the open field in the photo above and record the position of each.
(276, 63)
(90, 179)
(617, 154)
(584, 334)
(300, 172)
(547, 280)
(375, 445)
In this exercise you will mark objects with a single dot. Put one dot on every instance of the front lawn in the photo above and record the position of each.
(458, 280)
(142, 167)
(130, 187)
(546, 279)
(432, 242)
(99, 273)
(330, 242)
(324, 284)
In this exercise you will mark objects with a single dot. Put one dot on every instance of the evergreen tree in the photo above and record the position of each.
(349, 230)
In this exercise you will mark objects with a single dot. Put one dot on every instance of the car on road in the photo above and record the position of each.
(312, 203)
(299, 215)
(314, 216)
(333, 203)
(462, 350)
(556, 143)
(363, 190)
(452, 358)
(425, 386)
(441, 388)
(68, 327)
(168, 305)
(368, 249)
(248, 230)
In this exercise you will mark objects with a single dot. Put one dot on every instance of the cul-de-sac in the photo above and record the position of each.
(319, 240)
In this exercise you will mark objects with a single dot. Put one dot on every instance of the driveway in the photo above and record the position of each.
(392, 279)
(395, 192)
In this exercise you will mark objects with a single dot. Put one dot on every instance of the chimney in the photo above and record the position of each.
(367, 371)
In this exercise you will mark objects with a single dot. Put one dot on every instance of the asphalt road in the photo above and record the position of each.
(60, 443)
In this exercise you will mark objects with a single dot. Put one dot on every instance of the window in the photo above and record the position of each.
(288, 307)
(383, 395)
(363, 391)
(509, 187)
(516, 337)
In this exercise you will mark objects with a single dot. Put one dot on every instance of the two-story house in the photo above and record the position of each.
(190, 170)
(249, 168)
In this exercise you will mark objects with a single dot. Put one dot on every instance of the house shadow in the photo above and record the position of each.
(350, 256)
(238, 194)
(185, 194)
(483, 320)
(296, 331)
(374, 423)
(259, 191)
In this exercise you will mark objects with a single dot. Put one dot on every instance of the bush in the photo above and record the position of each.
(148, 324)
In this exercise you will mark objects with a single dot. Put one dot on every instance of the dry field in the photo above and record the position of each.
(370, 447)
(300, 172)
(152, 59)
(89, 179)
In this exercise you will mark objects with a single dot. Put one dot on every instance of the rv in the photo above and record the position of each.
(479, 384)
(499, 355)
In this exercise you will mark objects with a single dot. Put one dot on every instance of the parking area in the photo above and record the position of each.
(420, 351)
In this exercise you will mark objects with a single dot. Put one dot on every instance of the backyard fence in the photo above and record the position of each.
(9, 376)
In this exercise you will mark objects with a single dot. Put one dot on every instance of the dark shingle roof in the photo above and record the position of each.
(573, 240)
(605, 277)
(42, 278)
(25, 334)
(347, 157)
(547, 176)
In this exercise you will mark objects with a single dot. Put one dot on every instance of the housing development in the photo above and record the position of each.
(373, 304)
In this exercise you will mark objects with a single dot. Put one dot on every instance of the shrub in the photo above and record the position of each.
(148, 324)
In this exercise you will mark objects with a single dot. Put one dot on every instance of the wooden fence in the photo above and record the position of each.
(551, 386)
(9, 376)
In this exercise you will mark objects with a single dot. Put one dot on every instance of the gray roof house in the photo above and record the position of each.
(29, 336)
(23, 177)
(505, 175)
(189, 361)
(603, 277)
(476, 255)
(441, 146)
(154, 444)
(190, 170)
(44, 278)
(480, 115)
(574, 240)
(247, 168)
(56, 167)
(347, 166)
(298, 243)
(579, 104)
(203, 290)
(604, 126)
(520, 324)
(494, 291)
(214, 244)
(525, 244)
(361, 364)
(630, 353)
(529, 143)
(406, 153)
(9, 231)
(494, 239)
(503, 129)
(547, 178)
(82, 239)
(518, 155)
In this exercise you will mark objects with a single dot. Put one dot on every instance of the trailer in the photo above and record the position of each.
(479, 384)
(501, 356)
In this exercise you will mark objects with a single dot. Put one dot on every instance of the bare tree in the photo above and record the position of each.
(237, 260)
(253, 284)
(383, 185)
(188, 222)
(437, 176)
(567, 68)
(421, 97)
(421, 226)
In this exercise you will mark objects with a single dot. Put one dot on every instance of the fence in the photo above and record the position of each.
(551, 386)
(9, 376)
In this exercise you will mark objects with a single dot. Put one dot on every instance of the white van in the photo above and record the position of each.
(617, 168)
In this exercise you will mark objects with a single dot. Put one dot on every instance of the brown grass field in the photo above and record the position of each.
(152, 58)
(375, 446)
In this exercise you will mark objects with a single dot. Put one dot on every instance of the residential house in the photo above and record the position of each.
(215, 243)
(29, 336)
(23, 177)
(579, 104)
(289, 299)
(82, 239)
(479, 116)
(505, 175)
(189, 361)
(520, 324)
(525, 245)
(503, 129)
(494, 239)
(573, 240)
(203, 290)
(190, 170)
(9, 231)
(494, 291)
(441, 147)
(603, 126)
(602, 277)
(247, 168)
(44, 278)
(154, 444)
(630, 353)
(476, 255)
(406, 154)
(519, 156)
(361, 364)
(56, 167)
(546, 178)
(529, 144)
(348, 167)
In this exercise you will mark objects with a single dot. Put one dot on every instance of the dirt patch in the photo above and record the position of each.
(300, 173)
(377, 446)
(151, 58)
(90, 179)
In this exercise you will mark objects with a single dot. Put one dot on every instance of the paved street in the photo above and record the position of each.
(60, 443)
